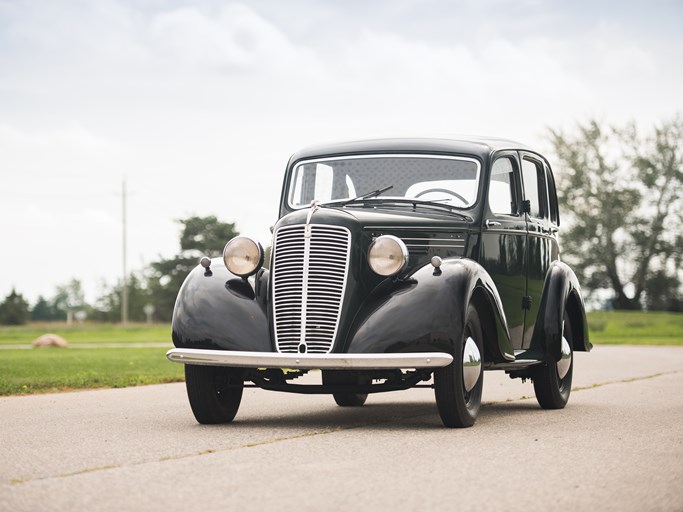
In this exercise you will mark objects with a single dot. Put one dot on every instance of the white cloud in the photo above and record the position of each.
(234, 37)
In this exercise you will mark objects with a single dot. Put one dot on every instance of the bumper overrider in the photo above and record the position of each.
(243, 359)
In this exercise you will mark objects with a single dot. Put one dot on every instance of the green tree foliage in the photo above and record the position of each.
(200, 236)
(107, 308)
(624, 193)
(14, 309)
(70, 298)
(45, 311)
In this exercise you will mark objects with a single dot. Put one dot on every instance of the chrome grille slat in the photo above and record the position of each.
(309, 279)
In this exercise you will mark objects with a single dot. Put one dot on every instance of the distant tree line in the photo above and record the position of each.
(155, 285)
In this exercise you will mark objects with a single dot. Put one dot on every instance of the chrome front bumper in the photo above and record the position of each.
(308, 361)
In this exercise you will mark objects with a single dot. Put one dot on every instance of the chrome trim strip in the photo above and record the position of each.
(408, 229)
(511, 231)
(308, 361)
(428, 239)
(304, 280)
(453, 246)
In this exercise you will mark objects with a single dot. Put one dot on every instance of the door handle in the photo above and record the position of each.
(492, 223)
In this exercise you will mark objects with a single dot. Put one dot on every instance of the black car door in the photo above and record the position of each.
(541, 246)
(504, 239)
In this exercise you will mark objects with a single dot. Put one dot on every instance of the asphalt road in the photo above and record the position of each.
(618, 445)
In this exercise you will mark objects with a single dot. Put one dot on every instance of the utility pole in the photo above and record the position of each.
(124, 292)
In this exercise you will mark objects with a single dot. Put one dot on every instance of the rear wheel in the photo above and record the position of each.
(215, 392)
(553, 380)
(458, 386)
(346, 378)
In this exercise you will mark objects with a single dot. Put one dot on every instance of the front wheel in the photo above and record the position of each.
(458, 386)
(215, 392)
(553, 380)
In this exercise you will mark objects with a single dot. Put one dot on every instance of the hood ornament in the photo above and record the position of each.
(315, 205)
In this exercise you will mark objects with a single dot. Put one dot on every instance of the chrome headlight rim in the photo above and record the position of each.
(250, 252)
(397, 250)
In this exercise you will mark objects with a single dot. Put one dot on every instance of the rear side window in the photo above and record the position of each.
(552, 197)
(533, 175)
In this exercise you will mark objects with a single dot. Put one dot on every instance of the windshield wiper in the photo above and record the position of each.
(374, 193)
(439, 203)
(421, 202)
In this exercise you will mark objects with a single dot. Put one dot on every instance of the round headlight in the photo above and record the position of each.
(243, 256)
(388, 255)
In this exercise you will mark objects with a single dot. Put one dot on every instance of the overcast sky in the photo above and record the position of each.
(199, 104)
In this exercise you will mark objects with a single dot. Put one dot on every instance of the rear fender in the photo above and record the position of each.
(561, 292)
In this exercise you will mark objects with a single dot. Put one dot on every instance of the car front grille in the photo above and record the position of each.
(310, 265)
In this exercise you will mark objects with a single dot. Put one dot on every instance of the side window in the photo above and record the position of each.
(534, 188)
(502, 187)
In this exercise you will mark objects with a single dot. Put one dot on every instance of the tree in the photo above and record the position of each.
(108, 305)
(69, 299)
(623, 193)
(200, 236)
(44, 311)
(14, 309)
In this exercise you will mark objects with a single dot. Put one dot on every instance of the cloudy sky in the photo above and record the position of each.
(198, 104)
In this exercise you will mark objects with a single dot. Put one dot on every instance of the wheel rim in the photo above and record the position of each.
(565, 361)
(471, 364)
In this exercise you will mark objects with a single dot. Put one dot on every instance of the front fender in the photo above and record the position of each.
(561, 292)
(219, 310)
(427, 312)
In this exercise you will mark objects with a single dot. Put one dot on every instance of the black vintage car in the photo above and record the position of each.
(395, 263)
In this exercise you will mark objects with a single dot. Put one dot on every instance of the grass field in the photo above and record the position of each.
(50, 370)
(25, 371)
(87, 333)
(635, 327)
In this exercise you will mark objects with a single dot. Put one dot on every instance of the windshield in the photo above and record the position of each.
(449, 180)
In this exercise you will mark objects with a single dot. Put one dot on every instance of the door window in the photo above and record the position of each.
(501, 187)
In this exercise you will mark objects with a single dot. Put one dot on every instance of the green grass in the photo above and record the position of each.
(52, 369)
(26, 371)
(87, 333)
(635, 328)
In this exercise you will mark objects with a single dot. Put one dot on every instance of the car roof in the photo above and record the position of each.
(479, 146)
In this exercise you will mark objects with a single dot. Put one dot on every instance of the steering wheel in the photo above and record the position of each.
(443, 191)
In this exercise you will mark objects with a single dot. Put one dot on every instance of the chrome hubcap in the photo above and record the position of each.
(565, 359)
(471, 364)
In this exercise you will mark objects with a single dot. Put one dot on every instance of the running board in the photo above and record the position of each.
(525, 358)
(519, 364)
